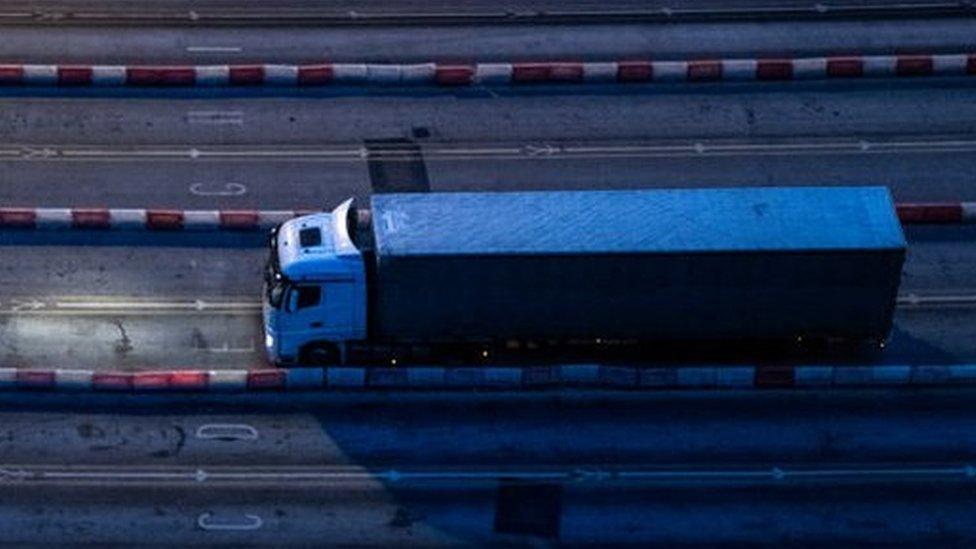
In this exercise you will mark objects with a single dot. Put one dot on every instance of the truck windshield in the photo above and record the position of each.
(275, 282)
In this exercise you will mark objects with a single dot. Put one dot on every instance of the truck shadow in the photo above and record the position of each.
(631, 353)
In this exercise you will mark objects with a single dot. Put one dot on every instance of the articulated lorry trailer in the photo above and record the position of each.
(485, 270)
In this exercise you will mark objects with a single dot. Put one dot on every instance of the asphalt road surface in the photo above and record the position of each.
(869, 109)
(306, 151)
(797, 467)
(367, 7)
(919, 513)
(219, 45)
(681, 468)
(153, 300)
(113, 305)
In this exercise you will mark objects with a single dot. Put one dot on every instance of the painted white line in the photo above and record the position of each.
(567, 474)
(108, 307)
(226, 349)
(198, 305)
(214, 49)
(17, 305)
(235, 118)
(227, 189)
(250, 522)
(932, 301)
(843, 146)
(123, 306)
(226, 431)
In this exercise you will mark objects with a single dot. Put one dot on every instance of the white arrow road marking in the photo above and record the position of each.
(544, 150)
(27, 305)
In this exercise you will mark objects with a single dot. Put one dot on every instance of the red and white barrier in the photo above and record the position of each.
(493, 73)
(143, 219)
(937, 212)
(253, 220)
(447, 378)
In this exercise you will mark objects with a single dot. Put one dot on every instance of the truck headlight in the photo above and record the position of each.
(268, 341)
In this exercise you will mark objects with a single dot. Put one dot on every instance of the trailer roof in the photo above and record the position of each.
(640, 221)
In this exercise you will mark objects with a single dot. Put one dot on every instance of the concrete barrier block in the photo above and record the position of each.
(811, 68)
(345, 377)
(305, 378)
(670, 71)
(735, 377)
(930, 375)
(813, 376)
(426, 377)
(213, 75)
(502, 377)
(73, 380)
(493, 73)
(962, 373)
(382, 377)
(618, 376)
(227, 380)
(600, 72)
(879, 65)
(705, 377)
(739, 69)
(579, 374)
(8, 378)
(658, 377)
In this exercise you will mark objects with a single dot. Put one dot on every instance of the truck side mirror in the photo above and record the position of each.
(292, 300)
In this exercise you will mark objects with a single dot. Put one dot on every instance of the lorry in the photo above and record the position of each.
(419, 272)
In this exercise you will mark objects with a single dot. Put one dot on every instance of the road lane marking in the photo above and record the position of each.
(533, 150)
(921, 301)
(227, 189)
(492, 473)
(114, 306)
(226, 349)
(226, 432)
(216, 118)
(251, 522)
(214, 49)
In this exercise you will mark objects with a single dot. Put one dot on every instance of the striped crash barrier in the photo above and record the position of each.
(254, 220)
(144, 219)
(440, 378)
(494, 73)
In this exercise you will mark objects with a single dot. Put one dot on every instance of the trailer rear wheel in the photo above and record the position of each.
(321, 354)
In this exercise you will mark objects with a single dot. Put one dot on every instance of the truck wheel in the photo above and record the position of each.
(321, 354)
